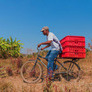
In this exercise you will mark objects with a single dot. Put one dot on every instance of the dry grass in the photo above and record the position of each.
(14, 83)
(6, 87)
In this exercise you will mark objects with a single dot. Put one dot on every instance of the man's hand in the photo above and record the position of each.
(42, 48)
(39, 45)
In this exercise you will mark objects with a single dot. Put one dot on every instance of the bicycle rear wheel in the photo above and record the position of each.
(71, 70)
(31, 74)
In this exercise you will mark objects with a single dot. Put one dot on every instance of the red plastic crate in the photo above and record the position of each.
(73, 38)
(74, 49)
(72, 55)
(72, 43)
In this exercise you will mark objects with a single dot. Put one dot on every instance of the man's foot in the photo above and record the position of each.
(52, 79)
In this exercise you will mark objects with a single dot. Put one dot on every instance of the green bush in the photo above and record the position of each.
(9, 47)
(29, 56)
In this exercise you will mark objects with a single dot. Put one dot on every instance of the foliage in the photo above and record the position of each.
(19, 63)
(9, 47)
(2, 72)
(9, 71)
(29, 56)
(87, 50)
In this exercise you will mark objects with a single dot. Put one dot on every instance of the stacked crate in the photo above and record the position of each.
(73, 47)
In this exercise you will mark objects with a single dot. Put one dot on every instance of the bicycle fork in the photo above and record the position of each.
(34, 66)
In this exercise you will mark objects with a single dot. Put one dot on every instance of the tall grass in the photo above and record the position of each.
(6, 87)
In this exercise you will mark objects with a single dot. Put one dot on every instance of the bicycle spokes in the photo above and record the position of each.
(71, 71)
(32, 73)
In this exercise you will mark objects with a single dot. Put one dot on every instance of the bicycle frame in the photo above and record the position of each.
(39, 56)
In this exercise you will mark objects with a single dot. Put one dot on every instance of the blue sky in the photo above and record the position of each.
(24, 19)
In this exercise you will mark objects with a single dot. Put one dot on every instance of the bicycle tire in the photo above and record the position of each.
(67, 76)
(39, 67)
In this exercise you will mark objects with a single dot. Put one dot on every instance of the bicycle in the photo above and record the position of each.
(32, 70)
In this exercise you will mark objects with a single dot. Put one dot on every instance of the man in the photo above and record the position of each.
(52, 41)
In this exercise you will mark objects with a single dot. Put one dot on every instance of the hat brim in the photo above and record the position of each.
(42, 30)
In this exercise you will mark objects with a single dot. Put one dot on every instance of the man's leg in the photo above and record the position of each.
(47, 55)
(53, 54)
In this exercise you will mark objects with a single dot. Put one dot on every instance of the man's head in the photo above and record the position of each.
(45, 30)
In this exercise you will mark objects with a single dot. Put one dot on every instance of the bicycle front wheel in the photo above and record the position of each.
(30, 72)
(69, 70)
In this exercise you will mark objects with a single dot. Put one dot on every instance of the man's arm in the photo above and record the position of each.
(45, 47)
(45, 43)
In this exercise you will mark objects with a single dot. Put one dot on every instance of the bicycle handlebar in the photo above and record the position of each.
(38, 50)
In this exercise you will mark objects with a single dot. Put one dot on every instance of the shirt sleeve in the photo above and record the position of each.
(50, 37)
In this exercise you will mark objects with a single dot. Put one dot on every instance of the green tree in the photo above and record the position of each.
(9, 47)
